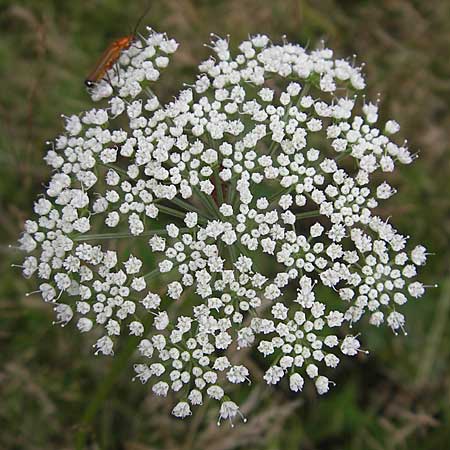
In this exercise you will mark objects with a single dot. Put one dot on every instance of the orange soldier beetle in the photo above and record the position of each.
(108, 59)
(112, 54)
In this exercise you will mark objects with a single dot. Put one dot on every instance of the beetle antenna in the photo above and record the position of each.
(147, 10)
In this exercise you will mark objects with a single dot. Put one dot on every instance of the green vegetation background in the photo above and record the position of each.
(397, 398)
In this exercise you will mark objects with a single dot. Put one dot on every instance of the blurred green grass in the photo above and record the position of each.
(397, 398)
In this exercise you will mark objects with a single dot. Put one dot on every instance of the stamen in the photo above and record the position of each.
(32, 292)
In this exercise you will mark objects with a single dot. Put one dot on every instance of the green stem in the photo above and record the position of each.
(307, 214)
(205, 200)
(342, 156)
(231, 190)
(155, 272)
(233, 255)
(171, 211)
(273, 146)
(188, 207)
(175, 213)
(92, 237)
(219, 187)
(103, 389)
(117, 169)
(150, 275)
(435, 338)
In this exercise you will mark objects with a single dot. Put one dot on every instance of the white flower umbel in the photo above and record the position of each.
(228, 218)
